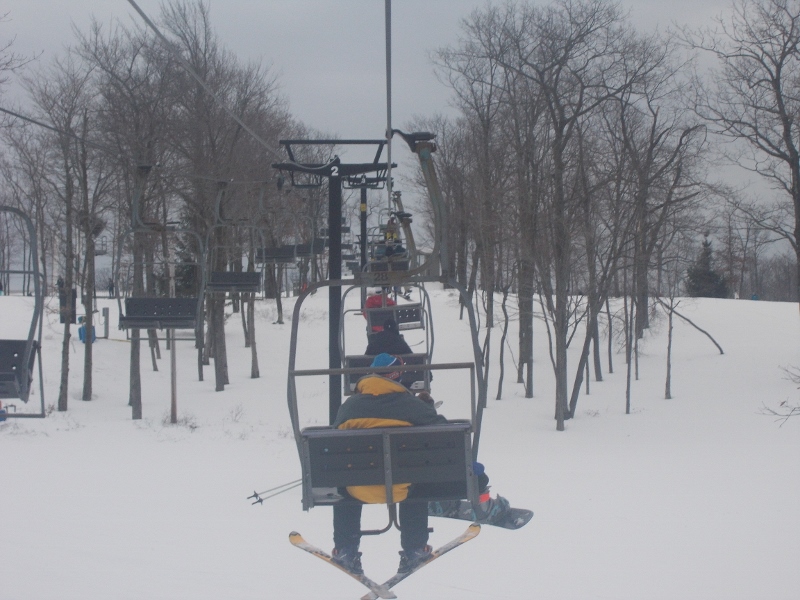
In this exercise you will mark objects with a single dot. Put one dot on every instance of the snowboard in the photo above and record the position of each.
(513, 518)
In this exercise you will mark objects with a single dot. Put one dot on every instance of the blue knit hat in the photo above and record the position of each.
(385, 360)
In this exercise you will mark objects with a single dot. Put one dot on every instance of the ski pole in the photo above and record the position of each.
(284, 487)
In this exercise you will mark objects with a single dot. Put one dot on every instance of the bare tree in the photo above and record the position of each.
(27, 173)
(132, 78)
(10, 61)
(665, 148)
(754, 95)
(60, 94)
(580, 56)
(211, 145)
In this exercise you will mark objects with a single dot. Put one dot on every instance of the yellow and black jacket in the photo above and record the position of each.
(381, 402)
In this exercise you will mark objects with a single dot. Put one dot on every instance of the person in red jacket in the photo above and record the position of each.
(380, 299)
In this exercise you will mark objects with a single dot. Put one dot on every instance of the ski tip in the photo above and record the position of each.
(293, 534)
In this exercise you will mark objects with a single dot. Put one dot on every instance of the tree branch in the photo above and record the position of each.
(689, 321)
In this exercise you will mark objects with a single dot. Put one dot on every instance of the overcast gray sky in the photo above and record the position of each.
(329, 54)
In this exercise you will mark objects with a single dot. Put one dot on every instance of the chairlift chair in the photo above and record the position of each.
(333, 458)
(233, 281)
(420, 313)
(18, 356)
(163, 312)
(241, 282)
(436, 459)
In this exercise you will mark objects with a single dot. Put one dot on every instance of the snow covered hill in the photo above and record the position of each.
(693, 498)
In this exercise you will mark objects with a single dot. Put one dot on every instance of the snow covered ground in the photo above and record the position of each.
(693, 498)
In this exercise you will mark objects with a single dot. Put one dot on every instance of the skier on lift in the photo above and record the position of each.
(379, 299)
(381, 401)
(389, 340)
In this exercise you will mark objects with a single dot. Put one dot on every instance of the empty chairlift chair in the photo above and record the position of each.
(18, 356)
(242, 282)
(159, 313)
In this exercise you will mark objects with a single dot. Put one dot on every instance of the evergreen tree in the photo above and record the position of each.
(702, 280)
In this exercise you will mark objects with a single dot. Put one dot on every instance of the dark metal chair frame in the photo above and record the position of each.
(142, 312)
(316, 485)
(417, 380)
(18, 356)
(234, 282)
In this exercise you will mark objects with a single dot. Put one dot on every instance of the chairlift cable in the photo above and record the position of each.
(113, 152)
(186, 65)
(60, 131)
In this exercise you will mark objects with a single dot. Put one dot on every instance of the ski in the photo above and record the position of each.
(377, 590)
(471, 532)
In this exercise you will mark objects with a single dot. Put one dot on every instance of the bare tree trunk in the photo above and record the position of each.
(473, 274)
(598, 367)
(216, 306)
(251, 330)
(279, 293)
(245, 323)
(583, 363)
(69, 192)
(88, 287)
(135, 393)
(525, 301)
(217, 328)
(668, 383)
(155, 350)
(629, 327)
(503, 337)
(208, 340)
(610, 321)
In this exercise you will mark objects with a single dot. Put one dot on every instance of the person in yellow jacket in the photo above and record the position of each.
(381, 401)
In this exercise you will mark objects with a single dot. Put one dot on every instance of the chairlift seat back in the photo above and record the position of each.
(279, 254)
(407, 316)
(399, 263)
(234, 281)
(415, 381)
(159, 313)
(12, 353)
(436, 459)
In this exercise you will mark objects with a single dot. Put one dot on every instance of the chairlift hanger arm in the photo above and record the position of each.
(412, 139)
